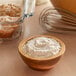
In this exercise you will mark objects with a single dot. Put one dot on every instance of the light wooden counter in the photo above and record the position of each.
(12, 65)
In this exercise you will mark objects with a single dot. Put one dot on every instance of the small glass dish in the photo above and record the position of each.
(10, 12)
(12, 15)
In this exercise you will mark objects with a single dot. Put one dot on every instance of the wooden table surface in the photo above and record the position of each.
(11, 63)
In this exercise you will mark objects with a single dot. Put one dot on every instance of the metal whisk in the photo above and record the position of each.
(58, 20)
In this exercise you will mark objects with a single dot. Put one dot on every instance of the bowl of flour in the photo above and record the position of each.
(41, 52)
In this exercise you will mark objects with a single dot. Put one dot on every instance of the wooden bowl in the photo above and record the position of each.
(41, 64)
(69, 5)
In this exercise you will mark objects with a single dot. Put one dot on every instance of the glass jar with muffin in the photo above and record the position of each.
(12, 15)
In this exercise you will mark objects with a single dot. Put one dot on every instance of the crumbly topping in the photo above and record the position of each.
(10, 10)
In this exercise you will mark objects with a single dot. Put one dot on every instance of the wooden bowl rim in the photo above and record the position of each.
(50, 58)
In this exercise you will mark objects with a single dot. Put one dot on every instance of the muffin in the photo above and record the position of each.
(41, 52)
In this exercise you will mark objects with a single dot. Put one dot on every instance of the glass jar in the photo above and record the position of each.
(12, 14)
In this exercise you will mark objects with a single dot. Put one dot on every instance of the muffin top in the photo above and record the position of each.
(41, 47)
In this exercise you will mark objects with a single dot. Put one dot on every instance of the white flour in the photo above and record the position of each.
(42, 47)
